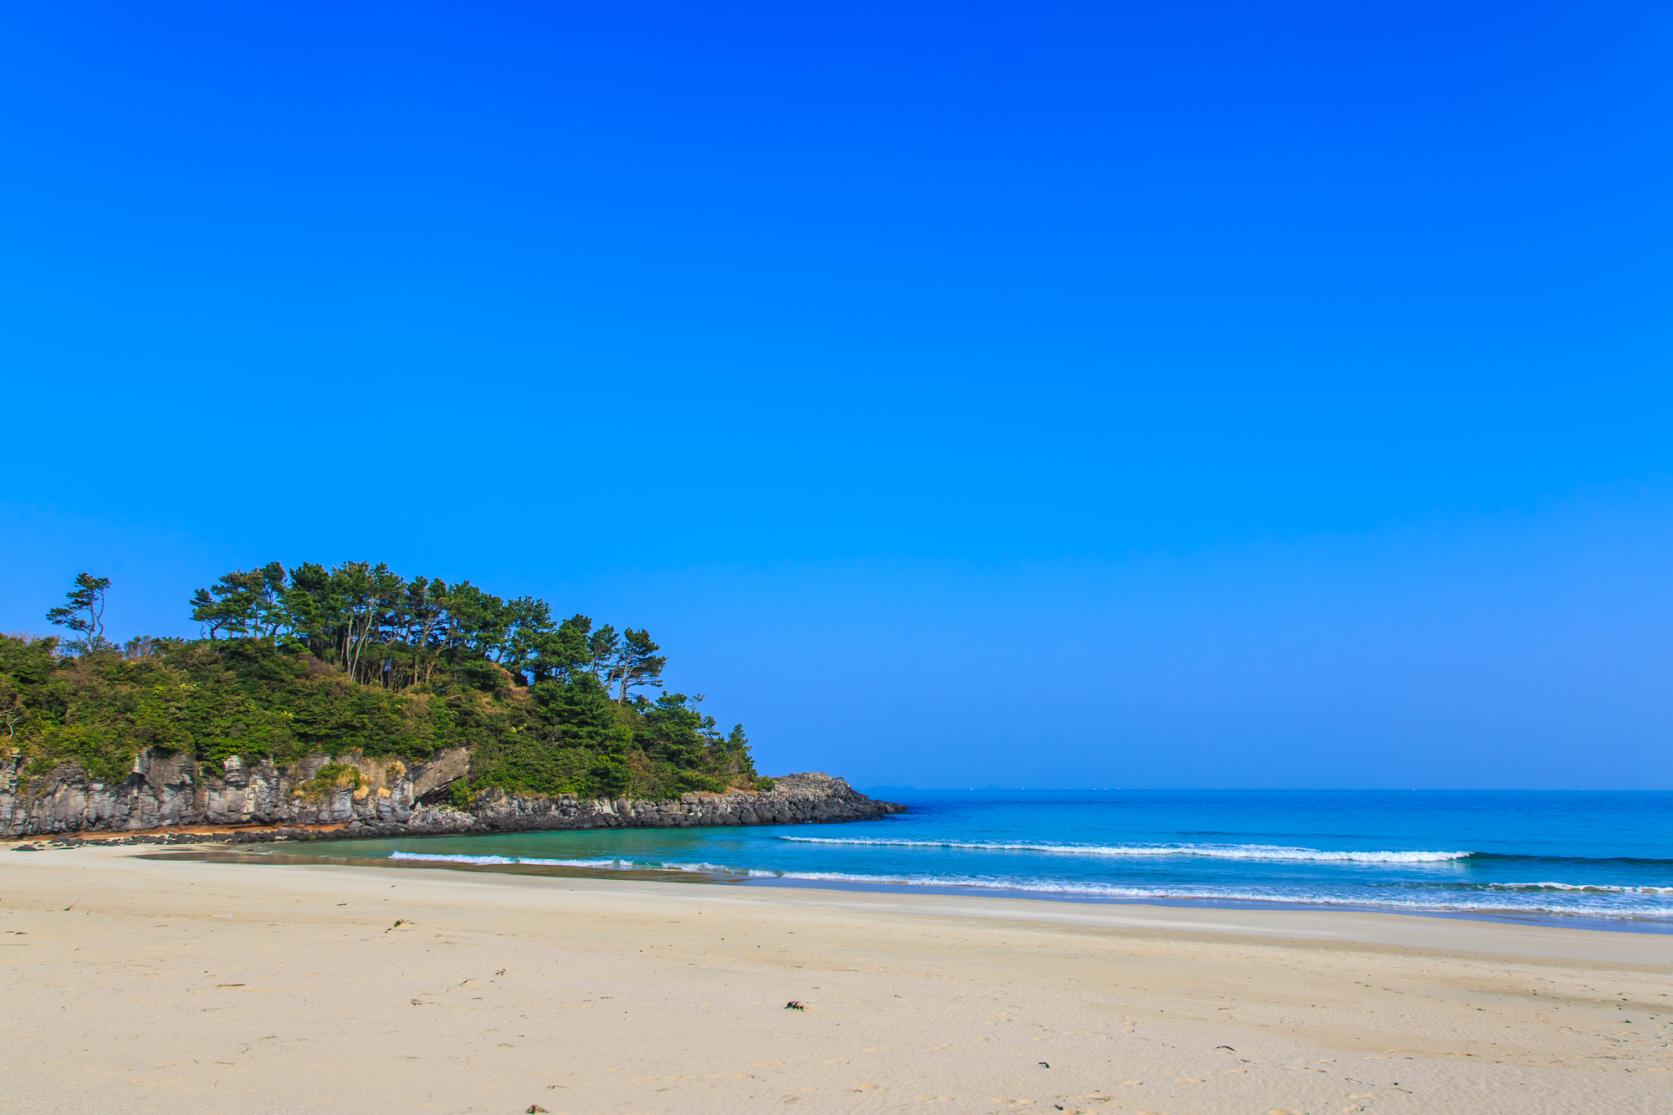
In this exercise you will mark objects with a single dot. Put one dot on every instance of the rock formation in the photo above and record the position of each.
(169, 790)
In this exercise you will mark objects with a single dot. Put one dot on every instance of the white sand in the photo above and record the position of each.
(145, 985)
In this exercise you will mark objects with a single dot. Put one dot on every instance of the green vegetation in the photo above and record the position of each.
(359, 661)
(83, 612)
(331, 777)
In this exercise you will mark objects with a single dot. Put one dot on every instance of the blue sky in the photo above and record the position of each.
(1061, 394)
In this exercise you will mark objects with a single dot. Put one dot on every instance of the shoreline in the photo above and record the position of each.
(157, 982)
(187, 834)
(1313, 921)
(244, 853)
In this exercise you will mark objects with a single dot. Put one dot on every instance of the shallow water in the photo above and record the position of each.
(1599, 858)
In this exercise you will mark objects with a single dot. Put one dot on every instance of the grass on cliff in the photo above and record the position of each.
(213, 700)
(330, 779)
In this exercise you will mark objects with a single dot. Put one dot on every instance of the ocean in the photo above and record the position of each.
(1596, 859)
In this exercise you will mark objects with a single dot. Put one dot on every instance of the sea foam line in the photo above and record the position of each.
(1047, 887)
(1099, 890)
(1268, 852)
(537, 861)
(437, 857)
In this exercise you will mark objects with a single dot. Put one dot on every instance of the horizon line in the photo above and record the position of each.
(881, 787)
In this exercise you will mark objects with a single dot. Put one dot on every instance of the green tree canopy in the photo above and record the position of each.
(83, 612)
(356, 658)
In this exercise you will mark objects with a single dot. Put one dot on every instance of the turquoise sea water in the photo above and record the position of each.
(1602, 859)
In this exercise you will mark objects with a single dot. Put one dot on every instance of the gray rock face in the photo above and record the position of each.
(168, 790)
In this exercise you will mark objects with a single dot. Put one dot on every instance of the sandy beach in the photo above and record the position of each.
(144, 984)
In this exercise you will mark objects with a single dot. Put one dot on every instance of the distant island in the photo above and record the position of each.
(354, 697)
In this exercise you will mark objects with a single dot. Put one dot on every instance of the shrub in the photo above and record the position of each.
(214, 700)
(332, 778)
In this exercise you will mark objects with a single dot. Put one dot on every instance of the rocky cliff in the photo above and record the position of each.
(373, 797)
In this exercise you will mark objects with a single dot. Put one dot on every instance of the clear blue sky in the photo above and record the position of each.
(1045, 394)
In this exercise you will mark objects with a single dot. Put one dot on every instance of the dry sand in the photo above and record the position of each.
(151, 985)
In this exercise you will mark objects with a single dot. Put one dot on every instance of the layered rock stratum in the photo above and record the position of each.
(168, 790)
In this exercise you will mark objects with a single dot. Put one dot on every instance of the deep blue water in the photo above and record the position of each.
(1582, 855)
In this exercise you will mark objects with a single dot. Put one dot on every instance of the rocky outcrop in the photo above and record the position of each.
(357, 796)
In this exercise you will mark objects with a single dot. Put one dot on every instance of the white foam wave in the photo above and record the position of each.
(1267, 852)
(1579, 888)
(437, 857)
(536, 861)
(1628, 900)
(1099, 890)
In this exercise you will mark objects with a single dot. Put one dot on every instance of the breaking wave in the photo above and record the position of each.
(1569, 899)
(1275, 853)
(1577, 888)
(1287, 898)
